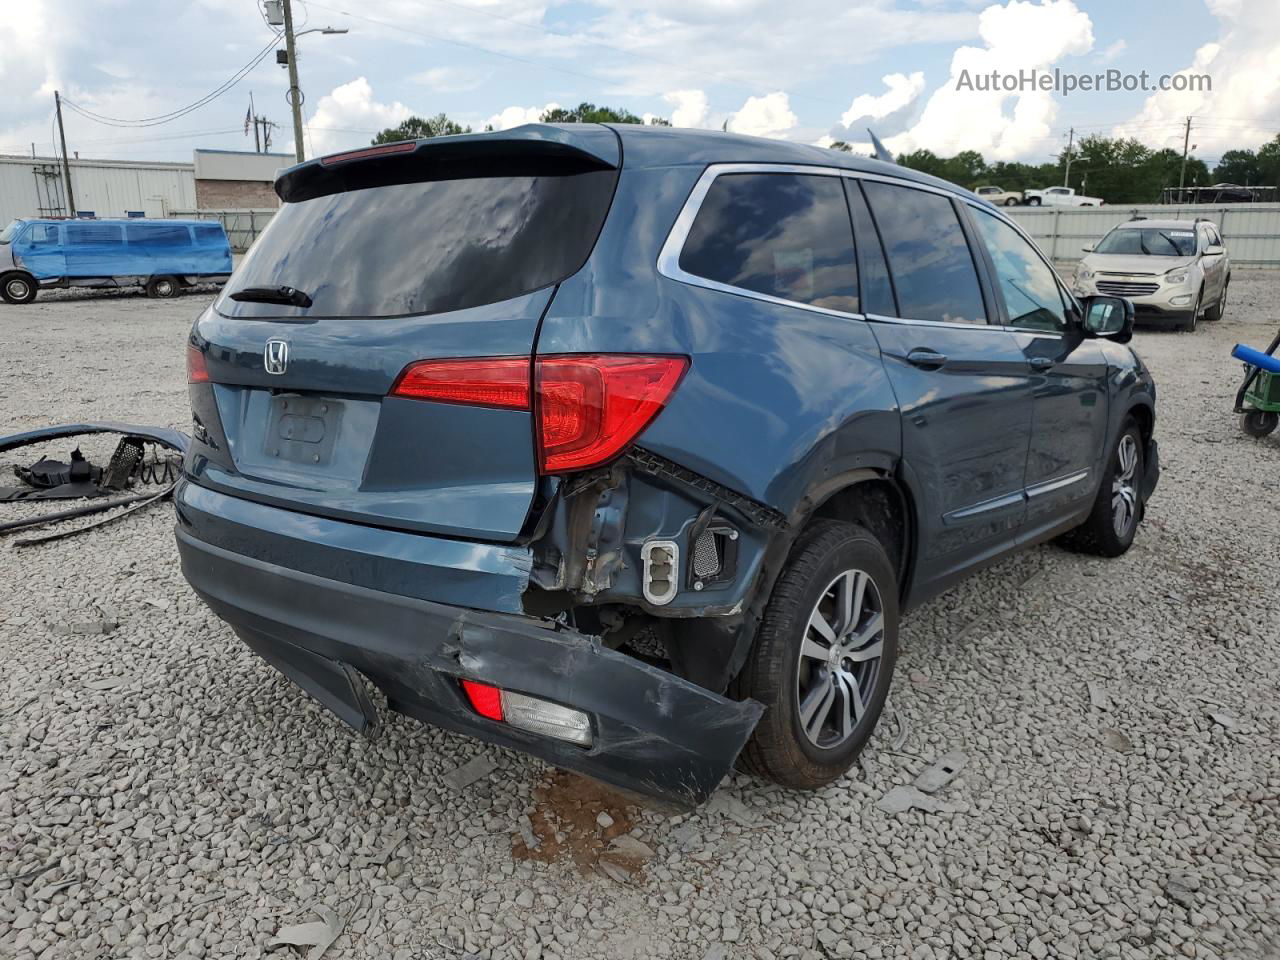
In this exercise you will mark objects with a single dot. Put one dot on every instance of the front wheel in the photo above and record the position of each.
(1189, 325)
(19, 288)
(1011, 202)
(1113, 522)
(823, 657)
(1259, 423)
(1220, 305)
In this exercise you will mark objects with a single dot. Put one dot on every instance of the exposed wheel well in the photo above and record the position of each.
(882, 507)
(1141, 414)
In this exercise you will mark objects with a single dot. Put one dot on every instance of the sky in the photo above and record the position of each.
(809, 70)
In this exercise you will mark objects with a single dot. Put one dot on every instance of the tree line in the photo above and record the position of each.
(1116, 169)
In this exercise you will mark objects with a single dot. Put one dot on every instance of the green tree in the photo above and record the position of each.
(590, 113)
(841, 145)
(1269, 163)
(1238, 166)
(416, 128)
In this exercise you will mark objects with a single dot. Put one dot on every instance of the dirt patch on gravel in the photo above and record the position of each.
(567, 823)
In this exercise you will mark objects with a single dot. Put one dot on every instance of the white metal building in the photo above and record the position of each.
(33, 187)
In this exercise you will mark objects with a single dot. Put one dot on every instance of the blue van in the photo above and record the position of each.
(160, 255)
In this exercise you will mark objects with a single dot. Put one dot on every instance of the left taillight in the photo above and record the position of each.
(197, 372)
(587, 407)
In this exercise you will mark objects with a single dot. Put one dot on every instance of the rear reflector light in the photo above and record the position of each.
(197, 371)
(485, 700)
(529, 713)
(407, 146)
(501, 382)
(587, 407)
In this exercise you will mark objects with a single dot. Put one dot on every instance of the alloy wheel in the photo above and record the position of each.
(1124, 491)
(840, 658)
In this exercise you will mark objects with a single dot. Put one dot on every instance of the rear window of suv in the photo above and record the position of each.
(426, 247)
(781, 234)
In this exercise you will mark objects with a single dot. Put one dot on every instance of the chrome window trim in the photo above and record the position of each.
(669, 256)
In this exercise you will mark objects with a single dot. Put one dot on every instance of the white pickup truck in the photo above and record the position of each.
(1059, 197)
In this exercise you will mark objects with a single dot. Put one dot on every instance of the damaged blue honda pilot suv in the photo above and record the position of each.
(626, 447)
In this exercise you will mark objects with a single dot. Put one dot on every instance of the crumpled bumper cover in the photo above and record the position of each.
(653, 733)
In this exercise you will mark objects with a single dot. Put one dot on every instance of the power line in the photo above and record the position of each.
(182, 111)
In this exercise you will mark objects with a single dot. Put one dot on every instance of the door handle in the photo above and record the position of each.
(1040, 364)
(926, 359)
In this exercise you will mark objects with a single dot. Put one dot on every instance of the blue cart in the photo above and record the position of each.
(1258, 399)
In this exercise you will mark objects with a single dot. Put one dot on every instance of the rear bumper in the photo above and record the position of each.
(653, 733)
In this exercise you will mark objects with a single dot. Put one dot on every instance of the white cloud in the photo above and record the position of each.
(767, 116)
(1019, 35)
(350, 116)
(1245, 95)
(449, 79)
(515, 116)
(1111, 52)
(903, 91)
(692, 108)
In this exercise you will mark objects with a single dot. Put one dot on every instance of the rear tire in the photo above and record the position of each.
(1259, 423)
(1033, 202)
(162, 288)
(822, 698)
(18, 288)
(1118, 508)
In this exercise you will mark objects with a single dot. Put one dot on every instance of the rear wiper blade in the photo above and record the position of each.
(282, 294)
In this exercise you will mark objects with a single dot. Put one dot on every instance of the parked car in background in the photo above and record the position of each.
(162, 256)
(1059, 197)
(633, 464)
(1000, 196)
(1173, 271)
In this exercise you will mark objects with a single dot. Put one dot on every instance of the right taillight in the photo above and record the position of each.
(197, 371)
(591, 406)
(587, 407)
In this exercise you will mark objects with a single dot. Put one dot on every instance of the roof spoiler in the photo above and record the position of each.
(533, 150)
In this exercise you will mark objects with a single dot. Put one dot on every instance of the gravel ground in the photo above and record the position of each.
(164, 793)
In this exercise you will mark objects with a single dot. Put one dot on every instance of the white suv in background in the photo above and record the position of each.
(1173, 271)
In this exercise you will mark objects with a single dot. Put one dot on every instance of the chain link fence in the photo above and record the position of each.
(242, 226)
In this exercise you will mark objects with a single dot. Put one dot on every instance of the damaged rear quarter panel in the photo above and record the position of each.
(778, 400)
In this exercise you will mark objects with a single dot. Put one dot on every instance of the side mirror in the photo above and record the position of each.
(1214, 249)
(1108, 317)
(1087, 248)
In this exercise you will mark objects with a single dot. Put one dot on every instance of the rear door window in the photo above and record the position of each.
(1030, 290)
(426, 247)
(158, 235)
(929, 258)
(780, 234)
(209, 235)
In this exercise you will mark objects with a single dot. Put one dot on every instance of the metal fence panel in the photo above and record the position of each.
(1251, 230)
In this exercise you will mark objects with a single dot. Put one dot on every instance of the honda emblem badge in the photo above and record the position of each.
(275, 356)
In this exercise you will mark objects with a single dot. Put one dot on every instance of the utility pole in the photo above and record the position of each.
(66, 164)
(1071, 139)
(1182, 176)
(295, 95)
